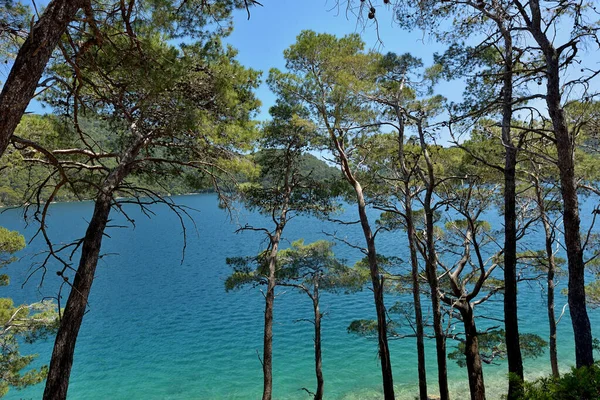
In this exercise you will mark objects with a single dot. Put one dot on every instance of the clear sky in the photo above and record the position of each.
(274, 27)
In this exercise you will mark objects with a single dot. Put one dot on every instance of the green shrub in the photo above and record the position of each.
(579, 384)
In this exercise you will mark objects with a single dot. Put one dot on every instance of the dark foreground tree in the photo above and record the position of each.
(168, 109)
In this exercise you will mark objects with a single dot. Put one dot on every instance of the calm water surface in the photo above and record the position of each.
(159, 328)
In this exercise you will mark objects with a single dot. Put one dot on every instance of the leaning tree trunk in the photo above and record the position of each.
(57, 383)
(30, 63)
(318, 359)
(474, 367)
(511, 320)
(565, 146)
(376, 279)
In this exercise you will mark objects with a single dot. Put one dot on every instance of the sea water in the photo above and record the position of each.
(161, 326)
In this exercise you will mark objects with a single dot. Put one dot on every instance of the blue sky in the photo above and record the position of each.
(274, 27)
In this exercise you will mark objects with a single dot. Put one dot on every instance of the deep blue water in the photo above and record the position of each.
(159, 328)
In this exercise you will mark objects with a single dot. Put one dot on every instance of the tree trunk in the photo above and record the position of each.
(376, 279)
(549, 235)
(30, 63)
(417, 302)
(440, 337)
(57, 383)
(267, 361)
(431, 271)
(318, 360)
(511, 321)
(474, 367)
(565, 143)
(414, 262)
(551, 315)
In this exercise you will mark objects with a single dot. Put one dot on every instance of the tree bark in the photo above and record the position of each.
(267, 361)
(511, 320)
(376, 279)
(551, 314)
(431, 271)
(565, 146)
(411, 234)
(57, 383)
(30, 63)
(474, 366)
(318, 360)
(549, 236)
(416, 291)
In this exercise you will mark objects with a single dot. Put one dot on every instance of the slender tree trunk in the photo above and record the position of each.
(549, 236)
(378, 287)
(565, 146)
(19, 88)
(551, 315)
(267, 361)
(318, 360)
(511, 320)
(474, 367)
(57, 383)
(411, 234)
(416, 291)
(431, 270)
(376, 279)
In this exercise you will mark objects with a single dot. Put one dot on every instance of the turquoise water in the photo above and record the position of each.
(159, 328)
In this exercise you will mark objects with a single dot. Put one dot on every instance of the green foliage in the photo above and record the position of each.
(10, 243)
(300, 265)
(15, 17)
(28, 323)
(579, 384)
(492, 346)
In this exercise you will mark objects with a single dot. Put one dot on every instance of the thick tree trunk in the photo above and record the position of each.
(566, 164)
(318, 360)
(511, 321)
(565, 143)
(474, 367)
(57, 383)
(30, 63)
